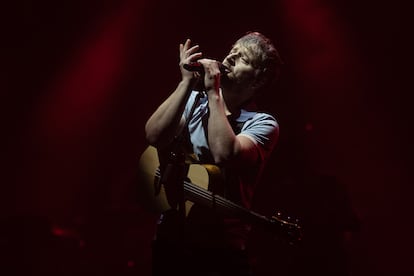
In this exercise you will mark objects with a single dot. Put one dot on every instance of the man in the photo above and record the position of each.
(218, 125)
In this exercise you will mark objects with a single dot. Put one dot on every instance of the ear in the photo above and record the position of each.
(260, 79)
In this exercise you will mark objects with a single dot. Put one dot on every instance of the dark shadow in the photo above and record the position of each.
(323, 208)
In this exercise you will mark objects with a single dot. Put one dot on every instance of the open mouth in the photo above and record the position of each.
(225, 68)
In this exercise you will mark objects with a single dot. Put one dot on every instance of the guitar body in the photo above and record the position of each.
(147, 167)
(156, 200)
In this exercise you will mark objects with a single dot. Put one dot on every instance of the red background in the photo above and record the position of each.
(81, 77)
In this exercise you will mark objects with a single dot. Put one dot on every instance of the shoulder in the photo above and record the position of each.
(262, 119)
(263, 128)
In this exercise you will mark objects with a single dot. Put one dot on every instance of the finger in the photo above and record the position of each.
(195, 56)
(207, 60)
(193, 49)
(210, 65)
(187, 44)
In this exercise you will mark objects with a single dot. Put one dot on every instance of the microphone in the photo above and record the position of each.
(198, 67)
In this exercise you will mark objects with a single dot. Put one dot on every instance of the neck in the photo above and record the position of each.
(231, 103)
(234, 102)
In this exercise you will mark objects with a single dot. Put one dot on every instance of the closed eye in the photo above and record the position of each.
(245, 60)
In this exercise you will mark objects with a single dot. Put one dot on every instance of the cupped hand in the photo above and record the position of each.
(188, 54)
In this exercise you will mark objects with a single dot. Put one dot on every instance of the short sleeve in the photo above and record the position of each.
(263, 130)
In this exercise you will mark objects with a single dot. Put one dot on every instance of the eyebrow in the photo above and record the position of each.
(244, 51)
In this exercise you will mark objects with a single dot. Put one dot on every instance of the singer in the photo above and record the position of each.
(220, 126)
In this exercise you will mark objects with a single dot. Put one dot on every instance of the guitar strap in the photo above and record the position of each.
(173, 165)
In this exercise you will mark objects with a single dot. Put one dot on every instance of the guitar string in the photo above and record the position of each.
(208, 196)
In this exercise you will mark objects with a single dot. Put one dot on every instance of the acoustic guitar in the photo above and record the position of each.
(196, 190)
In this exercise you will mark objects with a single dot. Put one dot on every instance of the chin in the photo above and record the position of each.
(225, 80)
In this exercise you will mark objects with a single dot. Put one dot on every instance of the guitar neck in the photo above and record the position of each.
(207, 198)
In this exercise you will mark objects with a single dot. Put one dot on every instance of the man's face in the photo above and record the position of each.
(240, 64)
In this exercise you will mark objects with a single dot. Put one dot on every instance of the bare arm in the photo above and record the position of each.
(225, 145)
(167, 121)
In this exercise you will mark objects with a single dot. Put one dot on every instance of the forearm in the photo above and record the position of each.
(164, 123)
(223, 142)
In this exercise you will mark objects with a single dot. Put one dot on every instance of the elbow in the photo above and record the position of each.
(237, 156)
(226, 160)
(151, 135)
(225, 156)
(225, 152)
(156, 137)
(151, 139)
(220, 160)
